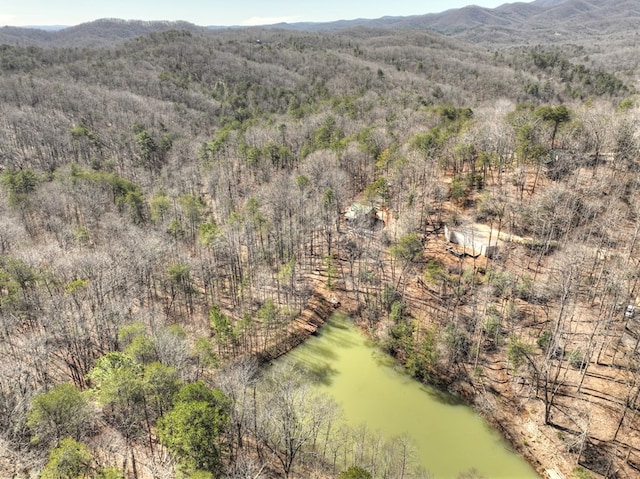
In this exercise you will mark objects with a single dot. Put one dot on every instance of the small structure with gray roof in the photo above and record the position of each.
(475, 239)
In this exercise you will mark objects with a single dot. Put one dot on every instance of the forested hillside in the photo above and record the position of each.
(172, 214)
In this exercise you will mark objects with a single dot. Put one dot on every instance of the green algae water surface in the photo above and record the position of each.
(449, 437)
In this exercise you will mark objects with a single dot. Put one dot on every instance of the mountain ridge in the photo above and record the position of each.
(99, 32)
(540, 21)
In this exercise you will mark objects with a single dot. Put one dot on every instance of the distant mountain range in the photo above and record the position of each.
(540, 21)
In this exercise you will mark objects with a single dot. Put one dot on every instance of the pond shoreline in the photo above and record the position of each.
(448, 437)
(318, 311)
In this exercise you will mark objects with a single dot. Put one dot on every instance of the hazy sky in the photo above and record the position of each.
(216, 12)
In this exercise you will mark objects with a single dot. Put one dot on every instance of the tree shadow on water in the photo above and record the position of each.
(443, 396)
(320, 351)
(338, 321)
(341, 333)
(343, 341)
(317, 372)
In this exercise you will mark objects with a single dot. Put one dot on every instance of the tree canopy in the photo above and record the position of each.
(193, 428)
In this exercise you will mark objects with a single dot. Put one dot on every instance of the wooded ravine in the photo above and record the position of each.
(177, 208)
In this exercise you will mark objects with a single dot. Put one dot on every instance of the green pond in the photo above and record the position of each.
(449, 437)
